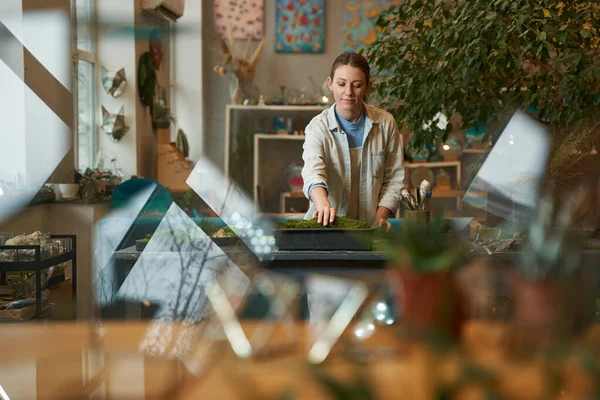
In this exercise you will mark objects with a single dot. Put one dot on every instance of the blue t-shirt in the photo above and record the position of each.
(354, 130)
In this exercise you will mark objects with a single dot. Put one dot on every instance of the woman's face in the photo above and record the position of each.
(349, 87)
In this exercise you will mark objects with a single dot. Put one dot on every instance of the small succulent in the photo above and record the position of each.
(549, 253)
(426, 247)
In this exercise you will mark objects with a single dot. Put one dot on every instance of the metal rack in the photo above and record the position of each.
(38, 265)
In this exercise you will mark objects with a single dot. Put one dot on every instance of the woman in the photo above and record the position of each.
(352, 152)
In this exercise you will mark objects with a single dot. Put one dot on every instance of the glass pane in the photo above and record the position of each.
(86, 131)
(84, 25)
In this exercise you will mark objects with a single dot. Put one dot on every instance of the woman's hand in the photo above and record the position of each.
(325, 214)
(384, 222)
(381, 218)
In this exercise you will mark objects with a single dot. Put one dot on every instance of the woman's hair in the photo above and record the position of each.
(354, 60)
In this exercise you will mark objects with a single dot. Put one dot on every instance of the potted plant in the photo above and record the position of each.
(161, 115)
(140, 244)
(424, 257)
(545, 283)
(480, 60)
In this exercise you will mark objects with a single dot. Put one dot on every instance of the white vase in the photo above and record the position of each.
(235, 89)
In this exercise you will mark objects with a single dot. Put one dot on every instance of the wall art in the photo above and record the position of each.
(114, 82)
(114, 124)
(299, 26)
(359, 28)
(239, 18)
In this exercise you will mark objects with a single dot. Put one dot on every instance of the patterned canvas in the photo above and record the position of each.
(359, 22)
(243, 17)
(299, 26)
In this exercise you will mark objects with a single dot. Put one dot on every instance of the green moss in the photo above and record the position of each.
(229, 232)
(340, 222)
(208, 227)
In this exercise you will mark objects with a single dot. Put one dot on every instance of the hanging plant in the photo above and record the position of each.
(182, 143)
(146, 80)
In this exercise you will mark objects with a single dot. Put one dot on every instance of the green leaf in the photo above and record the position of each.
(539, 50)
(543, 35)
(584, 33)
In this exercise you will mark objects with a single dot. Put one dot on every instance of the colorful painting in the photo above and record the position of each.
(243, 18)
(359, 22)
(300, 26)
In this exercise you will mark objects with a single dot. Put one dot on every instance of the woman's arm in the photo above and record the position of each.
(314, 172)
(393, 176)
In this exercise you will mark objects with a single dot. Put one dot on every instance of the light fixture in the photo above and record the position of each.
(323, 101)
(511, 142)
(446, 147)
(1, 191)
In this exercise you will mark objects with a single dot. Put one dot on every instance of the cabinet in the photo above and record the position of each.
(260, 173)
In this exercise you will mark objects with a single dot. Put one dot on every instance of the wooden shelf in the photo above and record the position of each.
(436, 164)
(238, 107)
(474, 151)
(278, 137)
(455, 193)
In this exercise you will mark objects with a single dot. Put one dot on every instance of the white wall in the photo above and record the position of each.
(116, 50)
(12, 94)
(35, 102)
(188, 84)
(274, 70)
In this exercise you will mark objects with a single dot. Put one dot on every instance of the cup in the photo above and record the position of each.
(420, 216)
(69, 191)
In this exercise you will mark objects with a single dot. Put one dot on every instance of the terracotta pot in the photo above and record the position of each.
(544, 311)
(428, 302)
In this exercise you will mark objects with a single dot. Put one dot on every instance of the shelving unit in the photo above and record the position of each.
(232, 123)
(436, 164)
(474, 151)
(34, 262)
(242, 161)
(275, 108)
(452, 193)
(266, 176)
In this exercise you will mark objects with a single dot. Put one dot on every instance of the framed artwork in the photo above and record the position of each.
(240, 18)
(359, 22)
(299, 26)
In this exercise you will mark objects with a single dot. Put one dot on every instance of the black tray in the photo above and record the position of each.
(324, 239)
(139, 245)
(226, 241)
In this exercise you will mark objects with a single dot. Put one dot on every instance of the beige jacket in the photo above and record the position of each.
(327, 161)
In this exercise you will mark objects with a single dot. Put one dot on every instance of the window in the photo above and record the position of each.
(85, 88)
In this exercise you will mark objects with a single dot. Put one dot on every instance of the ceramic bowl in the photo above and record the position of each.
(69, 191)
